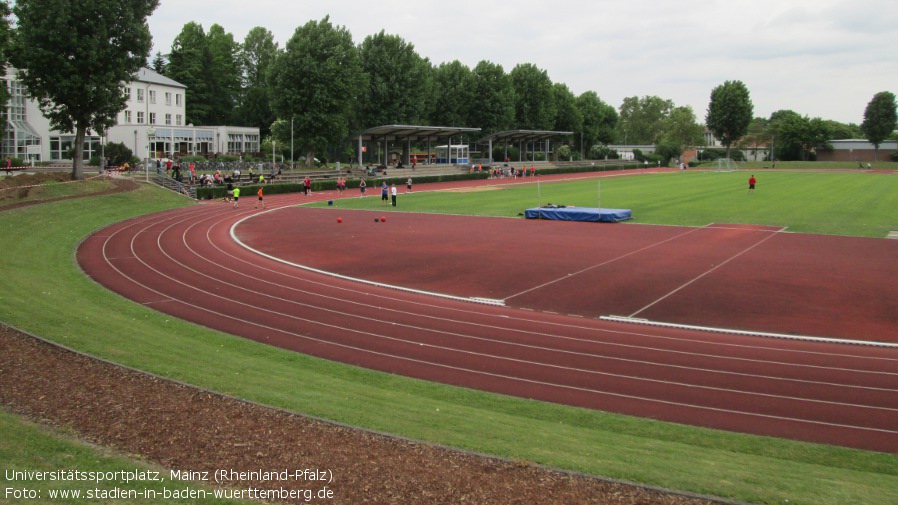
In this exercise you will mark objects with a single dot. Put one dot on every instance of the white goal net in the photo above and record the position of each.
(726, 165)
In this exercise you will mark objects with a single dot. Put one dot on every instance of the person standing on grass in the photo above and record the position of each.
(261, 201)
(393, 193)
(751, 184)
(236, 196)
(384, 190)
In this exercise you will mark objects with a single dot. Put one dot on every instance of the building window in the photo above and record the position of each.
(168, 119)
(127, 93)
(140, 117)
(152, 118)
(127, 116)
(61, 147)
(178, 120)
(167, 98)
(178, 100)
(153, 96)
(139, 95)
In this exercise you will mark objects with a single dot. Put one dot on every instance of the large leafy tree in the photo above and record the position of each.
(5, 41)
(839, 130)
(641, 120)
(729, 112)
(758, 134)
(681, 130)
(494, 98)
(73, 57)
(207, 64)
(879, 119)
(599, 120)
(399, 81)
(797, 137)
(257, 54)
(189, 63)
(785, 129)
(534, 104)
(453, 95)
(317, 80)
(223, 76)
(567, 115)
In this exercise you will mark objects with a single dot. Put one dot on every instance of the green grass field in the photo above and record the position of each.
(46, 293)
(858, 204)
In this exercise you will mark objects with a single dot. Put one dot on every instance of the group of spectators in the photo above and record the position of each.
(512, 172)
(175, 170)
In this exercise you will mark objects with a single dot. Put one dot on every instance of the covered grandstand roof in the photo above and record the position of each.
(408, 132)
(522, 136)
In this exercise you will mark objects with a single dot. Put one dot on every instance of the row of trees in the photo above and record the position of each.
(791, 136)
(321, 85)
(254, 83)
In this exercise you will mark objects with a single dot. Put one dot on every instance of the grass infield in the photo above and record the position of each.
(833, 203)
(45, 293)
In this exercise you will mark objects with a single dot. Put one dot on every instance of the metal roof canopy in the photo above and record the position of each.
(410, 133)
(522, 136)
(395, 132)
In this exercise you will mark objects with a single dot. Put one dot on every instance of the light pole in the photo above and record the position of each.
(291, 143)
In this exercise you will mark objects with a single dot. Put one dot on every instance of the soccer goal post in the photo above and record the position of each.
(727, 165)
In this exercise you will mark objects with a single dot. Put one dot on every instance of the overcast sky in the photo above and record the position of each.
(820, 58)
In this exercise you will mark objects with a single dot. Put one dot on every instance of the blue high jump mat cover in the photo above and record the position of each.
(589, 214)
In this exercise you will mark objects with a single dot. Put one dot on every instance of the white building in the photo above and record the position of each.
(151, 125)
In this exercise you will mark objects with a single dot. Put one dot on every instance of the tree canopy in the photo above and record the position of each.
(879, 119)
(534, 105)
(453, 92)
(399, 81)
(5, 41)
(316, 80)
(257, 53)
(599, 120)
(729, 112)
(189, 62)
(681, 129)
(74, 55)
(641, 120)
(567, 115)
(494, 98)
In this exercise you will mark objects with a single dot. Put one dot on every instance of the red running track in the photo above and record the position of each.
(186, 263)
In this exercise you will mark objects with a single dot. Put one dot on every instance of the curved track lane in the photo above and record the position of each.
(185, 263)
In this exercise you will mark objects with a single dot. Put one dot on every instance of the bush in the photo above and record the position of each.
(118, 153)
(599, 152)
(563, 153)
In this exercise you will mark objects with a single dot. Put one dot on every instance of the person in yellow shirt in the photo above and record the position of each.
(236, 196)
